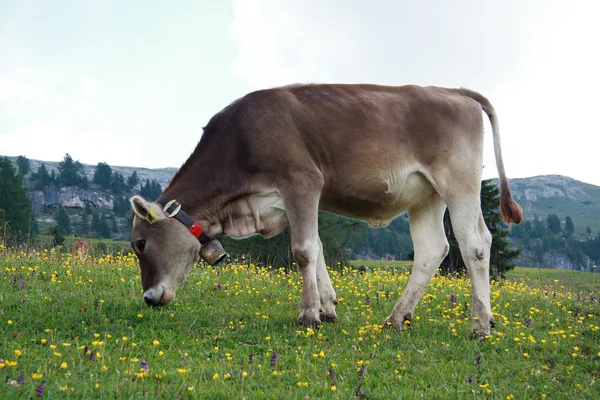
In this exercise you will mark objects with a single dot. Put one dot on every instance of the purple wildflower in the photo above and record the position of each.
(85, 350)
(20, 379)
(93, 356)
(592, 298)
(144, 366)
(478, 361)
(359, 392)
(251, 358)
(453, 300)
(22, 283)
(367, 301)
(470, 380)
(387, 294)
(529, 323)
(40, 389)
(274, 358)
(332, 375)
(362, 370)
(218, 286)
(96, 304)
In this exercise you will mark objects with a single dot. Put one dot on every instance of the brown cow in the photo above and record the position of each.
(273, 158)
(80, 249)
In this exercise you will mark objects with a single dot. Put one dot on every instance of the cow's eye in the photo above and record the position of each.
(140, 244)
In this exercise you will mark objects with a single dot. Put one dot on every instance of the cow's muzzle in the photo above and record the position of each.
(158, 295)
(212, 252)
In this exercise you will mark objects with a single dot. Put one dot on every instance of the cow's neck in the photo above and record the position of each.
(213, 192)
(196, 187)
(214, 188)
(223, 204)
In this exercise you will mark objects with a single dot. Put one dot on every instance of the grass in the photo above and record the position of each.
(80, 329)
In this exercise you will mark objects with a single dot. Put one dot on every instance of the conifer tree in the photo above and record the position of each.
(13, 199)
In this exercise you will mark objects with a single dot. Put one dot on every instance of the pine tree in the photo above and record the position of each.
(85, 224)
(23, 165)
(63, 221)
(133, 180)
(151, 190)
(41, 178)
(118, 184)
(103, 228)
(13, 199)
(88, 209)
(95, 221)
(58, 236)
(69, 171)
(121, 206)
(103, 175)
(569, 227)
(553, 223)
(114, 227)
(84, 183)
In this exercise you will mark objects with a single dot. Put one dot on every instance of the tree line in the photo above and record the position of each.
(541, 236)
(342, 238)
(20, 222)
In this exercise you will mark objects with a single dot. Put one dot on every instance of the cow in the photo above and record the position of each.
(80, 249)
(273, 158)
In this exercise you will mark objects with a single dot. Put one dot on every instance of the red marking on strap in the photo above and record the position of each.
(196, 229)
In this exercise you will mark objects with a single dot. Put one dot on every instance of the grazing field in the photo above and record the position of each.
(80, 329)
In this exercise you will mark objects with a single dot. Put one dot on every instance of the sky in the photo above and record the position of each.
(132, 83)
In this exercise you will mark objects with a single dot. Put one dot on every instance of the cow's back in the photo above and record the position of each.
(376, 147)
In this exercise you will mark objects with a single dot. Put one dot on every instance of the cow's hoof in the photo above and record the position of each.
(397, 323)
(306, 320)
(482, 331)
(328, 317)
(479, 335)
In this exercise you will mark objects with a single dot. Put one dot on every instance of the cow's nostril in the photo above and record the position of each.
(151, 302)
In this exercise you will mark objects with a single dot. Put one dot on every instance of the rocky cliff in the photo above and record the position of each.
(70, 197)
(559, 195)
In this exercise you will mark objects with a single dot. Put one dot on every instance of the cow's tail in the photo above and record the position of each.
(510, 211)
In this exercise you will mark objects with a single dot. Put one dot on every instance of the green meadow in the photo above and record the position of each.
(74, 328)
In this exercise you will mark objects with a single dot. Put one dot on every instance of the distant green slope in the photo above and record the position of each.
(560, 195)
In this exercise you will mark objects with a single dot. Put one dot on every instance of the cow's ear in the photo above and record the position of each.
(144, 209)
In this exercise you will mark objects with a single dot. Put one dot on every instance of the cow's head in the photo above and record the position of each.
(166, 249)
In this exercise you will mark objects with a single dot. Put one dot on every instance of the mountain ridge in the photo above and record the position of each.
(538, 195)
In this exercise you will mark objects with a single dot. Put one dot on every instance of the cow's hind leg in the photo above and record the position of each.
(301, 199)
(326, 291)
(430, 246)
(475, 242)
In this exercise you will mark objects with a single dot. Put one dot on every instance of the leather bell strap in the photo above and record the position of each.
(172, 209)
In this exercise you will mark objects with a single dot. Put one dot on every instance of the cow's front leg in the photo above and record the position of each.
(326, 291)
(301, 199)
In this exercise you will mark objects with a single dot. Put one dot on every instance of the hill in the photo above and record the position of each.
(559, 195)
(538, 195)
(161, 175)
